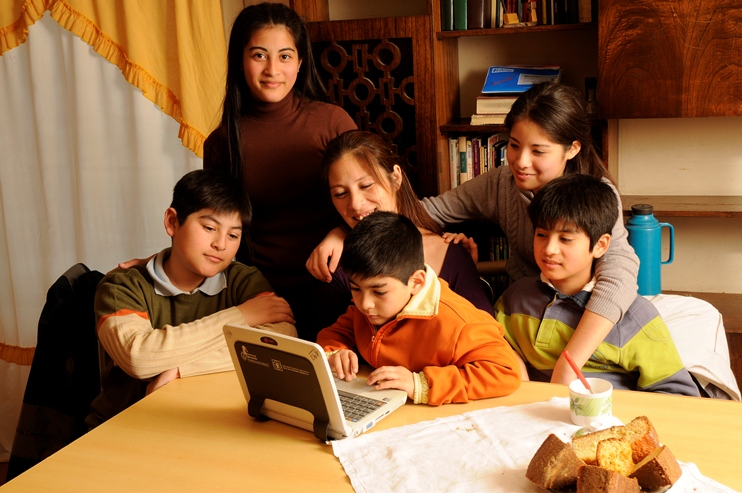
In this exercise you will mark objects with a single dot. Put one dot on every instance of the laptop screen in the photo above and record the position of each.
(271, 373)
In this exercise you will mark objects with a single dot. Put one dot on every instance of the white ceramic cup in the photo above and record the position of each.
(586, 408)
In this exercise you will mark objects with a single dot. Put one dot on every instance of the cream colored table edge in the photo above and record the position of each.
(195, 435)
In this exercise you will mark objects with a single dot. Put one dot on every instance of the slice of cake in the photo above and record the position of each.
(554, 466)
(594, 479)
(615, 454)
(657, 471)
(643, 438)
(639, 432)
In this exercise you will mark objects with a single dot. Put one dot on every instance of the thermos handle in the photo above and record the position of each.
(672, 243)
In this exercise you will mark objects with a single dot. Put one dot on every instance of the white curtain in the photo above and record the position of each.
(87, 167)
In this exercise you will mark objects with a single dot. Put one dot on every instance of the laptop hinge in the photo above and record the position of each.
(254, 407)
(321, 429)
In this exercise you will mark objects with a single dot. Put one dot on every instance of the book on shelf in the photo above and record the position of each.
(460, 14)
(475, 18)
(514, 79)
(446, 15)
(492, 151)
(463, 158)
(476, 156)
(501, 157)
(588, 10)
(469, 162)
(453, 160)
(497, 9)
(487, 119)
(491, 104)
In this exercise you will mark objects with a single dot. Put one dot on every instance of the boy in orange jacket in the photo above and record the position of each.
(420, 336)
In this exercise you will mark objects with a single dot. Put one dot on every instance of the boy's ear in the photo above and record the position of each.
(417, 281)
(574, 149)
(171, 221)
(601, 246)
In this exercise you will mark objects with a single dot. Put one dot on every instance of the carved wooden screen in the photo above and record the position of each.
(379, 71)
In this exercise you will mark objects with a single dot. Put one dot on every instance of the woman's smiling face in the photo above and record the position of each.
(356, 192)
(534, 159)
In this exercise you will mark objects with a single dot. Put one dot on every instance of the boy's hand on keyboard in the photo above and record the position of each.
(393, 377)
(344, 364)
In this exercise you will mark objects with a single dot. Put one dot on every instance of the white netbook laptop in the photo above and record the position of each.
(289, 380)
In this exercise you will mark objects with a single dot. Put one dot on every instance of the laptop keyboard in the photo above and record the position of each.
(356, 407)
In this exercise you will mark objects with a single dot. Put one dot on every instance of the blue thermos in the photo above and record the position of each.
(645, 235)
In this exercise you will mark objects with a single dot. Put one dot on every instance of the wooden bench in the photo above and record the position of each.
(730, 307)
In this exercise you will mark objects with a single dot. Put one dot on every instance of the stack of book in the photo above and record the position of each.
(503, 85)
(471, 156)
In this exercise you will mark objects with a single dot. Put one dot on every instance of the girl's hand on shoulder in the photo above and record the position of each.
(325, 258)
(344, 364)
(132, 263)
(468, 243)
(393, 377)
(266, 308)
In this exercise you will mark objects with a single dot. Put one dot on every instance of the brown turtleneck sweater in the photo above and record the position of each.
(282, 149)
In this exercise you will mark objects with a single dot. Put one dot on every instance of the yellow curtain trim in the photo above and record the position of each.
(15, 34)
(16, 354)
(137, 76)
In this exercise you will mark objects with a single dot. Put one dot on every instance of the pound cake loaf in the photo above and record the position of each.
(594, 479)
(615, 454)
(658, 471)
(554, 466)
(639, 432)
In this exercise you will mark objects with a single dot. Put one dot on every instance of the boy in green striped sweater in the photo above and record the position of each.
(164, 320)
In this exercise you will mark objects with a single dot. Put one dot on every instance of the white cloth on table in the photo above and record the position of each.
(486, 450)
(697, 329)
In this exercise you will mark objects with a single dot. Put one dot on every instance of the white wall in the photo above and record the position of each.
(689, 156)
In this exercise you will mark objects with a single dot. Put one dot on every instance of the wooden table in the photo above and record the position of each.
(194, 434)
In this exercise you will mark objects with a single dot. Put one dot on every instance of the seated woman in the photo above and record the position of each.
(363, 175)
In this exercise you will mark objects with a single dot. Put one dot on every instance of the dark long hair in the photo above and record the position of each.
(559, 111)
(237, 99)
(378, 159)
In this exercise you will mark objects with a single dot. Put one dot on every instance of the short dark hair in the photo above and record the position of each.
(210, 189)
(586, 202)
(383, 244)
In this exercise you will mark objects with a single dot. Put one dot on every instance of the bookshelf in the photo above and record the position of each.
(515, 30)
(719, 206)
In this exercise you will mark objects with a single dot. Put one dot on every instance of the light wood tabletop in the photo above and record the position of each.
(194, 434)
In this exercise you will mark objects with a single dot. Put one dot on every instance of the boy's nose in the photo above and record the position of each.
(367, 303)
(219, 242)
(551, 246)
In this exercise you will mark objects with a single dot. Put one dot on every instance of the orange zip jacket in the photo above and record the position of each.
(460, 349)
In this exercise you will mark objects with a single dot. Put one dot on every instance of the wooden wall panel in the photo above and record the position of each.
(670, 58)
